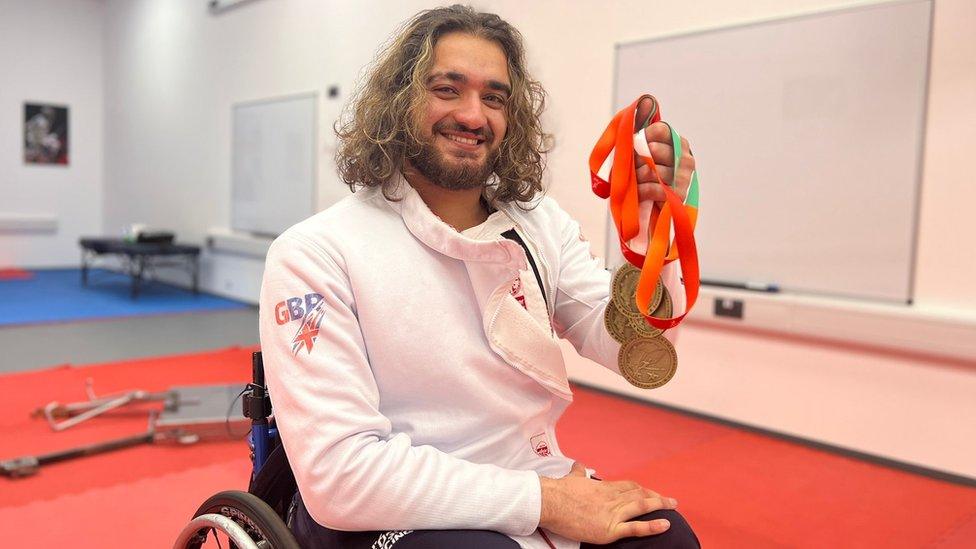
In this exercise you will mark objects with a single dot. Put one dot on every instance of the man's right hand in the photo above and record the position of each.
(599, 512)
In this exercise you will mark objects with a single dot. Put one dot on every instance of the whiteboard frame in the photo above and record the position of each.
(313, 199)
(614, 258)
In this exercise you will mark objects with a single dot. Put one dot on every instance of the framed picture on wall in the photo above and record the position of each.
(45, 134)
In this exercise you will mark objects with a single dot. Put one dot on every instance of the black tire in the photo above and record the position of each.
(252, 514)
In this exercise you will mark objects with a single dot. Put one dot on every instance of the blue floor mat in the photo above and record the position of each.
(58, 296)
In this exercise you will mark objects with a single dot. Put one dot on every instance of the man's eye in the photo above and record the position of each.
(445, 90)
(495, 99)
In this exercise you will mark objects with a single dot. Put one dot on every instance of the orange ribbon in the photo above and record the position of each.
(618, 138)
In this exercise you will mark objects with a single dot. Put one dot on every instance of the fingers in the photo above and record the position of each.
(642, 506)
(655, 192)
(625, 485)
(648, 493)
(627, 500)
(638, 494)
(639, 529)
(625, 527)
(648, 187)
(630, 487)
(645, 174)
(658, 137)
(658, 132)
(662, 153)
(643, 110)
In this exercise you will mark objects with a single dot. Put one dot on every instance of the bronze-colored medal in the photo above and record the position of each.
(648, 363)
(643, 329)
(659, 292)
(664, 310)
(625, 290)
(624, 286)
(617, 324)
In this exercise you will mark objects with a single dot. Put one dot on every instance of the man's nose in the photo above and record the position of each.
(471, 112)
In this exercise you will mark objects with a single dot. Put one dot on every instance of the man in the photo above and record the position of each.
(409, 331)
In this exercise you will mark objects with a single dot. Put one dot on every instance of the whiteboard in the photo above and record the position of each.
(808, 136)
(273, 164)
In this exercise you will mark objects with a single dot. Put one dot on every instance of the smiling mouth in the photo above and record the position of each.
(464, 140)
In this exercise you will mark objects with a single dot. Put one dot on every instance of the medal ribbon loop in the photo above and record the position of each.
(618, 138)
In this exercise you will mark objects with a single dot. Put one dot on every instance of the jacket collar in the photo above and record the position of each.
(438, 235)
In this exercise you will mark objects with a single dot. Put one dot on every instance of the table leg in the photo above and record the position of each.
(84, 267)
(137, 274)
(196, 274)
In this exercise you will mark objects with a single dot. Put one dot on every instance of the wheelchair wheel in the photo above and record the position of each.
(240, 512)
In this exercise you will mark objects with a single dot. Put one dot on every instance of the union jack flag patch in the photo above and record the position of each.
(309, 331)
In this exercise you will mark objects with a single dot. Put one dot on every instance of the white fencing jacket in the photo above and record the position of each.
(411, 389)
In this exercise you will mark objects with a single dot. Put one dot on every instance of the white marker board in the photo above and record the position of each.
(273, 164)
(808, 133)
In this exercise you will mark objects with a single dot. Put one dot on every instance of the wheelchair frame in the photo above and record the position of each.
(256, 519)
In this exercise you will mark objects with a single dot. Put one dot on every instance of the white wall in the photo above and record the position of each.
(50, 52)
(173, 71)
(946, 264)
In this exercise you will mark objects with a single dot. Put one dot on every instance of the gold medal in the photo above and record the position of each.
(618, 325)
(648, 363)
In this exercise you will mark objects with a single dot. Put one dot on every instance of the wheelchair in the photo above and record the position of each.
(256, 519)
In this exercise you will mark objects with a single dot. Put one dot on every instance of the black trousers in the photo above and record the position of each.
(311, 535)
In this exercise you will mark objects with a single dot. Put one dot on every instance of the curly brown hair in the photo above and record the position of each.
(380, 123)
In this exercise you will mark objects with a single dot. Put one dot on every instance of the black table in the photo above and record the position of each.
(139, 257)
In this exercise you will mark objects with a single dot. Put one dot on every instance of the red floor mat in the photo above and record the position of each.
(29, 390)
(738, 489)
(15, 274)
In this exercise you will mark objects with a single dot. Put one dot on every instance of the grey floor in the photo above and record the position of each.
(44, 345)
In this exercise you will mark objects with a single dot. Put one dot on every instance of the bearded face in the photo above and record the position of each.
(464, 117)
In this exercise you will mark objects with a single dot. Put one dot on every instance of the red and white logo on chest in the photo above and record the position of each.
(540, 445)
(518, 293)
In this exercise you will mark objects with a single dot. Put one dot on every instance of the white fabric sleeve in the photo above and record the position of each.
(352, 471)
(583, 294)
